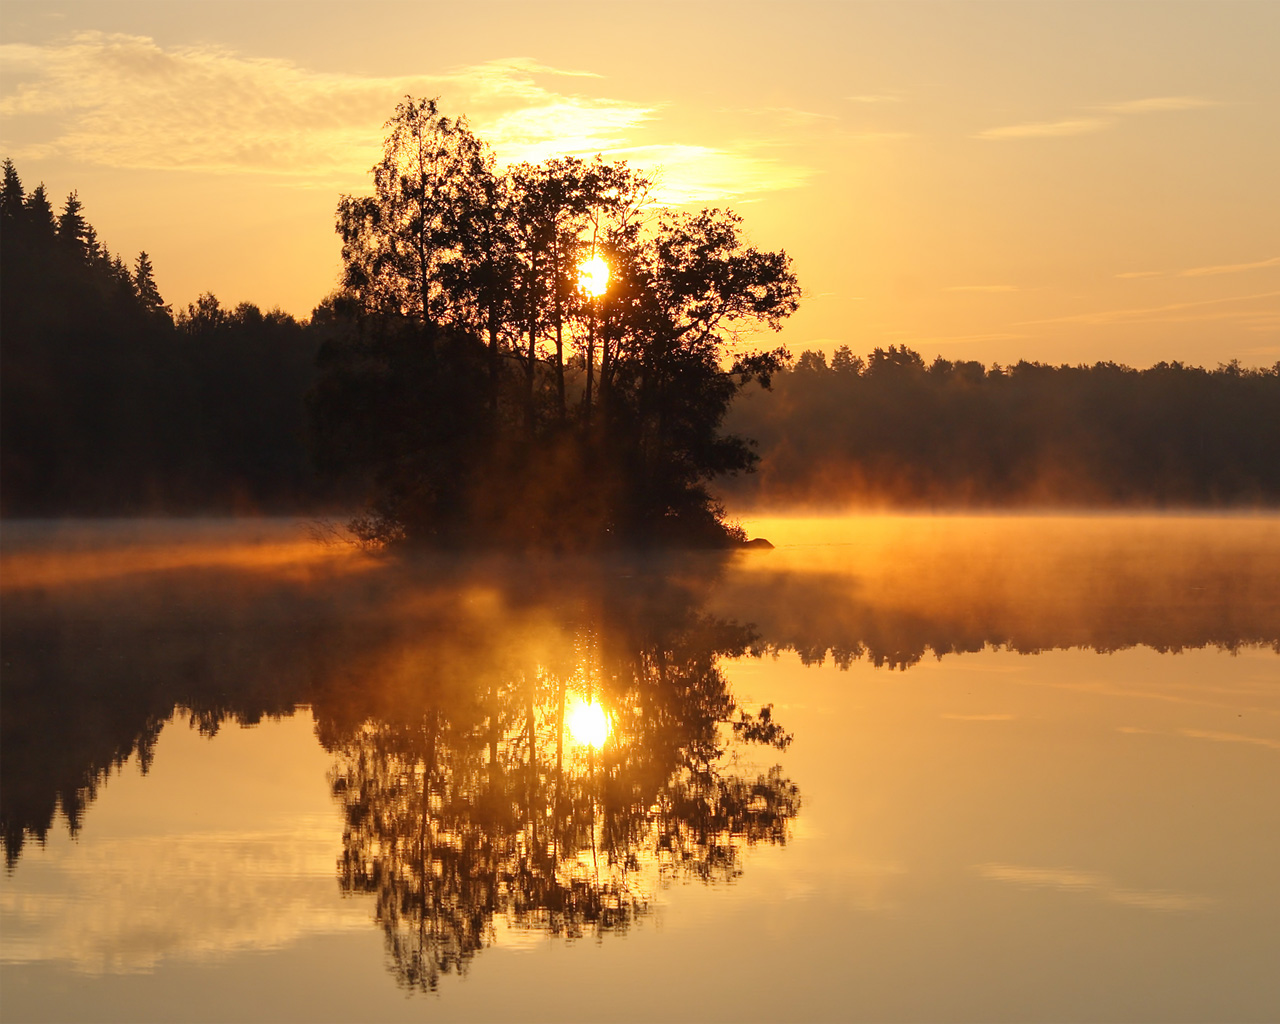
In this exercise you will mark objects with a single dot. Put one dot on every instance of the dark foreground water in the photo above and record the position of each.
(899, 768)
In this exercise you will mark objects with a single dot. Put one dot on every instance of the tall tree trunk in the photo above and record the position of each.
(591, 364)
(493, 368)
(606, 372)
(531, 363)
(559, 326)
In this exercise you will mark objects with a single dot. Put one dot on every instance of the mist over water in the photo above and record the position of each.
(893, 587)
(837, 752)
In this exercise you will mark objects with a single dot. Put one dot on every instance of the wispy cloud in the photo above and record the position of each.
(794, 117)
(1093, 884)
(1089, 124)
(1211, 271)
(1230, 268)
(1231, 737)
(562, 125)
(700, 174)
(1157, 104)
(955, 339)
(537, 67)
(875, 97)
(1207, 734)
(982, 288)
(873, 136)
(981, 718)
(1049, 129)
(1175, 312)
(126, 101)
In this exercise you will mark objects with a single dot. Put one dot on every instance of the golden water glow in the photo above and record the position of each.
(588, 724)
(593, 276)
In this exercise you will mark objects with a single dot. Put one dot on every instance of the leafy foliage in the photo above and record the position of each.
(487, 397)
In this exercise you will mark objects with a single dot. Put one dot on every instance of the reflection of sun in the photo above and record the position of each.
(593, 276)
(588, 724)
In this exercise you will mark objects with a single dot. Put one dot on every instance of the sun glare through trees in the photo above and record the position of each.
(537, 355)
(593, 276)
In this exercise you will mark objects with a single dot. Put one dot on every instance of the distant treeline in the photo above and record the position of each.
(112, 404)
(109, 404)
(891, 430)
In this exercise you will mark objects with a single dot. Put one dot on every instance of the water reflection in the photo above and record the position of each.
(894, 590)
(468, 797)
(447, 694)
(236, 623)
(976, 841)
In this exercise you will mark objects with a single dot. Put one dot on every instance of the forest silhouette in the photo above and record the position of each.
(441, 684)
(112, 405)
(891, 430)
(537, 355)
(470, 382)
(391, 652)
(444, 696)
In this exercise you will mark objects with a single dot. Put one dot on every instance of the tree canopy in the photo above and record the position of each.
(489, 389)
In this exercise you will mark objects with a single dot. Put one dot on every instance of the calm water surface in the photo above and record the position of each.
(898, 768)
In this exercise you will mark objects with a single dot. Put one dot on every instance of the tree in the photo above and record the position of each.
(39, 215)
(144, 284)
(398, 244)
(600, 414)
(11, 198)
(465, 797)
(74, 231)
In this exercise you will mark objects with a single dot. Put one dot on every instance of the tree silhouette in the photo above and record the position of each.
(891, 430)
(94, 670)
(109, 407)
(144, 284)
(600, 419)
(469, 803)
(469, 390)
(74, 232)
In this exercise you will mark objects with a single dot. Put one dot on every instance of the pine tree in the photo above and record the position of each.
(39, 215)
(144, 284)
(73, 229)
(10, 198)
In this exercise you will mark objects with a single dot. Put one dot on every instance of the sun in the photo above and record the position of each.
(593, 276)
(588, 724)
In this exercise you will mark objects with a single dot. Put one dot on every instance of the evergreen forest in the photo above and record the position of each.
(111, 404)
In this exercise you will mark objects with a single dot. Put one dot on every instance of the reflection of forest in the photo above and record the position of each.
(468, 796)
(902, 588)
(447, 706)
(450, 676)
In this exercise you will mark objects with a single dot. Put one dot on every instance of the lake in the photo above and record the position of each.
(1006, 767)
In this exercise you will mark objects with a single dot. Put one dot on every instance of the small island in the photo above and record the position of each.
(538, 356)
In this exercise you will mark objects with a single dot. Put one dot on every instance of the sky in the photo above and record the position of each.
(1061, 182)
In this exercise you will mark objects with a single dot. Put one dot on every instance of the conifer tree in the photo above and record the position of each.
(144, 284)
(74, 230)
(39, 216)
(10, 198)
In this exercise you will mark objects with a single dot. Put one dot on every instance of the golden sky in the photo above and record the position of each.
(1065, 182)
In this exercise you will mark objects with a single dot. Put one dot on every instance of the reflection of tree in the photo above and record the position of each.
(93, 670)
(470, 802)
